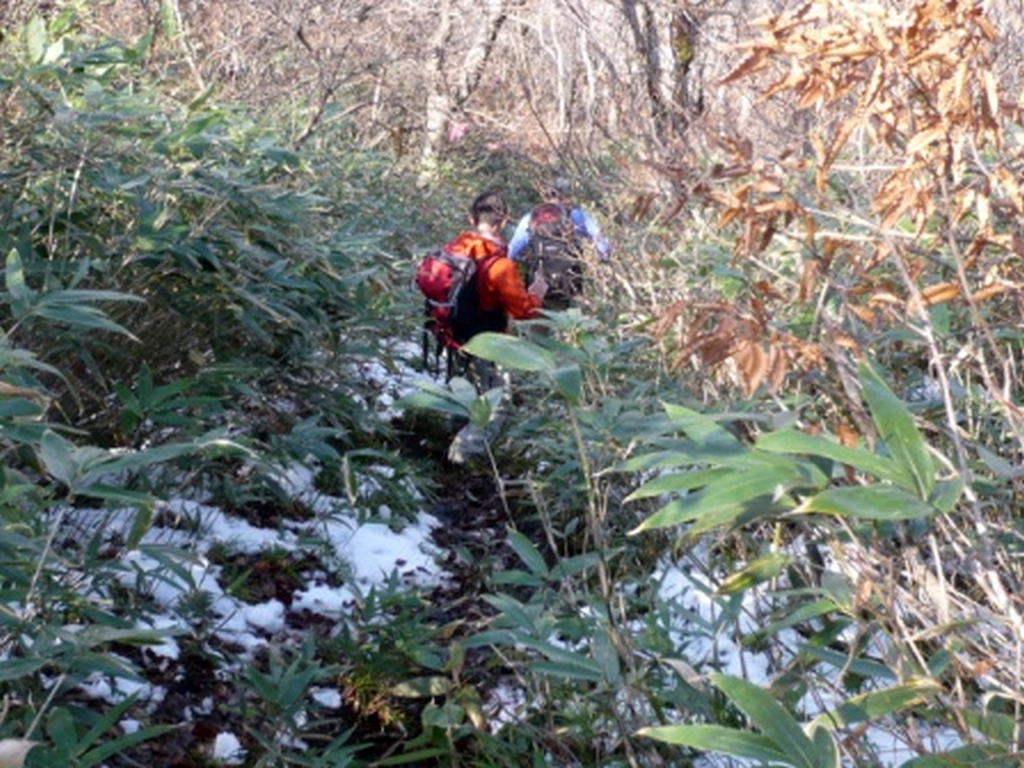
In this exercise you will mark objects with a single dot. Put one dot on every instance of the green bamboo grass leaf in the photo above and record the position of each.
(97, 463)
(515, 578)
(996, 726)
(432, 397)
(141, 524)
(14, 278)
(998, 464)
(717, 738)
(496, 637)
(732, 517)
(71, 307)
(511, 352)
(568, 381)
(826, 748)
(793, 441)
(565, 663)
(700, 427)
(802, 614)
(13, 669)
(606, 655)
(514, 613)
(528, 553)
(116, 495)
(896, 426)
(764, 568)
(841, 661)
(759, 490)
(36, 39)
(75, 296)
(971, 756)
(683, 453)
(82, 317)
(771, 718)
(567, 567)
(169, 18)
(870, 502)
(677, 482)
(20, 407)
(584, 672)
(425, 756)
(876, 704)
(56, 454)
(947, 494)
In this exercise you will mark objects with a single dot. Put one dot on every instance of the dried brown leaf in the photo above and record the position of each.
(939, 293)
(864, 314)
(728, 216)
(846, 435)
(759, 367)
(988, 80)
(924, 139)
(808, 279)
(753, 63)
(988, 291)
(880, 297)
(778, 368)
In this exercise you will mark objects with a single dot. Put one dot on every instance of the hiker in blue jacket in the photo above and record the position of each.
(548, 242)
(585, 228)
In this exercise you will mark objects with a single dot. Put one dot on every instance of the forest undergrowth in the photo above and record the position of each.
(758, 503)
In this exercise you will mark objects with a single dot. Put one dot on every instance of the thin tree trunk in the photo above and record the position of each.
(455, 77)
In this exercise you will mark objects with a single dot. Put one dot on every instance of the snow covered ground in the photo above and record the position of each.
(371, 554)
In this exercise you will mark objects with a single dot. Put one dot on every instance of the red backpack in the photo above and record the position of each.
(450, 284)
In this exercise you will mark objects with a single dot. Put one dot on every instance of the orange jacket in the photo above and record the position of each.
(501, 285)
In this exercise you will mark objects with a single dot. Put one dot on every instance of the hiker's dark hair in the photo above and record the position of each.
(489, 208)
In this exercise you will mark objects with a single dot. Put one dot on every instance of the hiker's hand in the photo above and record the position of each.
(539, 287)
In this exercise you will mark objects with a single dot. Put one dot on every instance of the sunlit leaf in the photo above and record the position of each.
(801, 614)
(762, 569)
(871, 502)
(676, 482)
(759, 490)
(793, 441)
(511, 352)
(771, 718)
(877, 704)
(36, 38)
(717, 738)
(422, 687)
(683, 454)
(434, 399)
(701, 427)
(896, 425)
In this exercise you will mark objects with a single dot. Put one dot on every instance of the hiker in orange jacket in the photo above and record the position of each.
(503, 296)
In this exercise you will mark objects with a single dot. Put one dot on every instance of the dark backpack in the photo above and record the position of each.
(554, 251)
(450, 283)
